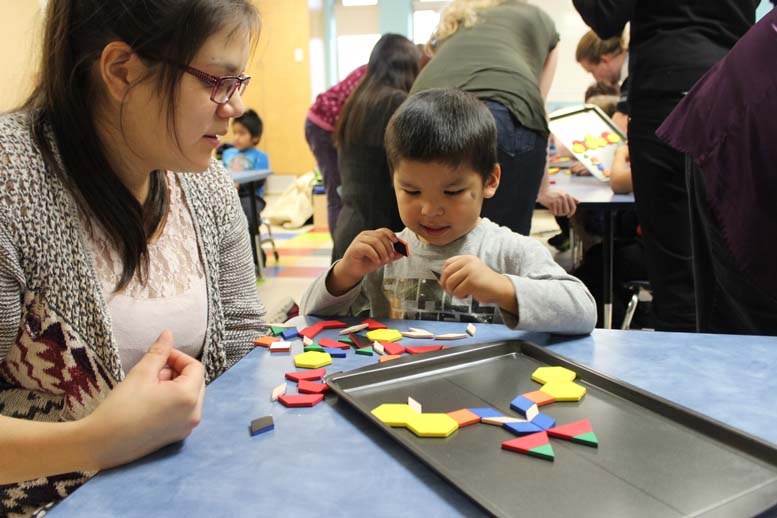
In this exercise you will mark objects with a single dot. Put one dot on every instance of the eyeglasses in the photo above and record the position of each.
(223, 87)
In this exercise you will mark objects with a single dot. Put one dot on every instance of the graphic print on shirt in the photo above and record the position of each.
(424, 299)
(240, 162)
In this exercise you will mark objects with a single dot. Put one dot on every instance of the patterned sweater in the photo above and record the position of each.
(58, 358)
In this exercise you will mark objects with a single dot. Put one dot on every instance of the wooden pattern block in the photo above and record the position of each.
(536, 445)
(415, 405)
(278, 391)
(261, 425)
(312, 331)
(418, 334)
(282, 325)
(432, 425)
(333, 344)
(471, 329)
(280, 347)
(539, 397)
(313, 347)
(522, 428)
(374, 324)
(580, 432)
(345, 340)
(312, 360)
(335, 353)
(389, 357)
(307, 341)
(311, 387)
(266, 341)
(353, 329)
(384, 335)
(486, 412)
(392, 348)
(379, 348)
(543, 421)
(525, 406)
(451, 336)
(501, 420)
(547, 374)
(393, 414)
(421, 349)
(365, 351)
(464, 417)
(301, 400)
(333, 324)
(290, 333)
(564, 390)
(315, 374)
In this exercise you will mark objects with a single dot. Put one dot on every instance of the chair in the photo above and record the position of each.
(269, 239)
(640, 291)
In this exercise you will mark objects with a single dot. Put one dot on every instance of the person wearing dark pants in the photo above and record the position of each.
(323, 147)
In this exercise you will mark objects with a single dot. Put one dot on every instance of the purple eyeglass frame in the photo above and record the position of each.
(240, 84)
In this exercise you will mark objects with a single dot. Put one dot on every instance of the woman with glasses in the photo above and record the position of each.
(119, 232)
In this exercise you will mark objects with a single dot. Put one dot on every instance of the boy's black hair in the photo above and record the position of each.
(446, 126)
(252, 122)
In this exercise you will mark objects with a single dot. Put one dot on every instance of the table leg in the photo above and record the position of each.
(253, 222)
(607, 260)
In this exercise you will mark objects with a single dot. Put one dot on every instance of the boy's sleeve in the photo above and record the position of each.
(548, 298)
(318, 301)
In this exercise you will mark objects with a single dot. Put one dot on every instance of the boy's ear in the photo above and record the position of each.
(492, 183)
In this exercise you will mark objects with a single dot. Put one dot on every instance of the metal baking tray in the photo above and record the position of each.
(655, 458)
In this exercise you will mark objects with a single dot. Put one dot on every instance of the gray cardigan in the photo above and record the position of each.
(58, 358)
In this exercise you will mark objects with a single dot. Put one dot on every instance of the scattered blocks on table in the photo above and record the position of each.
(312, 360)
(266, 341)
(421, 349)
(536, 445)
(353, 329)
(464, 417)
(289, 334)
(278, 391)
(365, 351)
(501, 420)
(345, 340)
(312, 331)
(389, 357)
(451, 336)
(313, 347)
(415, 405)
(374, 324)
(301, 400)
(486, 412)
(564, 390)
(311, 387)
(547, 374)
(393, 348)
(393, 414)
(333, 344)
(315, 374)
(333, 324)
(525, 406)
(580, 432)
(522, 428)
(335, 353)
(539, 397)
(471, 329)
(360, 341)
(432, 425)
(384, 335)
(543, 421)
(261, 425)
(379, 348)
(277, 330)
(280, 347)
(417, 333)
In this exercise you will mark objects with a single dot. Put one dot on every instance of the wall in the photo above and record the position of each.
(20, 23)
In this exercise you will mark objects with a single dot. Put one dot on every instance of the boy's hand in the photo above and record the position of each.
(370, 250)
(466, 275)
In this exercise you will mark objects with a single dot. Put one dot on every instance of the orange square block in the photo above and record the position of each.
(464, 417)
(539, 397)
(389, 357)
(265, 341)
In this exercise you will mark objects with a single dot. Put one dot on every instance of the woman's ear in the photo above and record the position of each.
(120, 68)
(492, 183)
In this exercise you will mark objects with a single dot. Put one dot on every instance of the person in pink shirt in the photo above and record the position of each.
(319, 127)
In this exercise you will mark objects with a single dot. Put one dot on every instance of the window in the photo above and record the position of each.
(353, 51)
(424, 23)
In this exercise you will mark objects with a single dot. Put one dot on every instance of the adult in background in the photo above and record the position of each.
(672, 44)
(319, 132)
(367, 192)
(726, 125)
(504, 52)
(107, 245)
(608, 61)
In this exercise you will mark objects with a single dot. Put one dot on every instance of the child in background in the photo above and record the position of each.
(441, 148)
(243, 156)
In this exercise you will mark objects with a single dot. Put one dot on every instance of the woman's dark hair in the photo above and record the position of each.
(392, 68)
(252, 122)
(446, 126)
(165, 34)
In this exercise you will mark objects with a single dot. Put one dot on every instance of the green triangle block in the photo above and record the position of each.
(313, 347)
(346, 340)
(366, 351)
(589, 439)
(277, 330)
(543, 452)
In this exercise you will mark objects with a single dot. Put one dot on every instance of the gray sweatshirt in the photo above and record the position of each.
(548, 298)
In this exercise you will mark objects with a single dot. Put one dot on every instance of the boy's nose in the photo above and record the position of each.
(432, 209)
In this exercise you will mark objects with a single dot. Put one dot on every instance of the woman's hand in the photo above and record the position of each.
(558, 202)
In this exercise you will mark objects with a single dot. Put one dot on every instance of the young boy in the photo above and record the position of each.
(441, 147)
(243, 156)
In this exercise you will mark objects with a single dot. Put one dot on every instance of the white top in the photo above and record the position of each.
(174, 296)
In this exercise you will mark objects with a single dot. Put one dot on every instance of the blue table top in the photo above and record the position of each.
(251, 175)
(329, 460)
(590, 191)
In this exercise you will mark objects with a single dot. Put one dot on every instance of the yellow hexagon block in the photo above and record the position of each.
(312, 360)
(394, 414)
(384, 335)
(432, 425)
(564, 390)
(547, 374)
